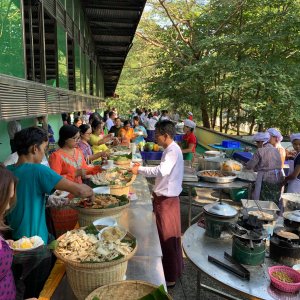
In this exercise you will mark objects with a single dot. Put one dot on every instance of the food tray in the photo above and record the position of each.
(226, 179)
(265, 205)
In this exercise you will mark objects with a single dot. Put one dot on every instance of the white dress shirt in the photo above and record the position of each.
(150, 123)
(109, 123)
(169, 173)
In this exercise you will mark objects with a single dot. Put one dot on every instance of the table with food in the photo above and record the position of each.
(117, 239)
(252, 252)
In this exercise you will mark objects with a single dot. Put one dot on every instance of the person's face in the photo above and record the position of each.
(73, 141)
(118, 122)
(86, 136)
(296, 145)
(160, 138)
(99, 129)
(186, 129)
(135, 122)
(113, 116)
(259, 144)
(127, 127)
(273, 140)
(11, 194)
(39, 152)
(79, 123)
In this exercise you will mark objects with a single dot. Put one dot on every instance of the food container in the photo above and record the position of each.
(218, 216)
(86, 277)
(229, 177)
(107, 221)
(128, 289)
(210, 163)
(291, 201)
(212, 153)
(231, 144)
(296, 267)
(284, 286)
(292, 219)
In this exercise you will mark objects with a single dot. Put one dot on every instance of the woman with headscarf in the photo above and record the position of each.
(189, 142)
(275, 141)
(267, 163)
(293, 179)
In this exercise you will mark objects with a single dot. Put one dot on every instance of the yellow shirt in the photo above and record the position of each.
(94, 139)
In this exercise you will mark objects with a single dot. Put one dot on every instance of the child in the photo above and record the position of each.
(293, 179)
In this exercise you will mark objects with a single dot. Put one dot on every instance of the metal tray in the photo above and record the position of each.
(225, 179)
(265, 205)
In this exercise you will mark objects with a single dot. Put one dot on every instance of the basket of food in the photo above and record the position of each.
(118, 179)
(100, 206)
(129, 290)
(92, 261)
(216, 176)
(122, 161)
(285, 278)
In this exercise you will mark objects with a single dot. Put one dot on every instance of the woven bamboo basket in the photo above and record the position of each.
(86, 277)
(119, 190)
(129, 290)
(86, 216)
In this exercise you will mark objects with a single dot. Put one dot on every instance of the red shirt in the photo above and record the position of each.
(190, 117)
(190, 138)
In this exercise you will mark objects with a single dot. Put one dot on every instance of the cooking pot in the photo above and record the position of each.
(291, 201)
(212, 153)
(218, 216)
(292, 219)
(210, 163)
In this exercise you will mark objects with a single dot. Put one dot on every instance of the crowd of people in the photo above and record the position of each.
(29, 176)
(33, 175)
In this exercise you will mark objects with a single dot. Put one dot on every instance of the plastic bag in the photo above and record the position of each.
(231, 166)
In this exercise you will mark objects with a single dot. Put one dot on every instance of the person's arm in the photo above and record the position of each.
(253, 162)
(294, 174)
(188, 149)
(163, 169)
(55, 162)
(78, 190)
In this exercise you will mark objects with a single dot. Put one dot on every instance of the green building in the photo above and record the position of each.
(61, 56)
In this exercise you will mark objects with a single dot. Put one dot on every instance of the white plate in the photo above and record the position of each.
(108, 221)
(101, 190)
(38, 242)
(296, 267)
(124, 232)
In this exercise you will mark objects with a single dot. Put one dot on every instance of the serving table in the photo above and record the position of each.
(237, 184)
(197, 246)
(139, 220)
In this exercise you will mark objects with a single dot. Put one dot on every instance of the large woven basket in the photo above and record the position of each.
(119, 190)
(86, 277)
(86, 216)
(129, 290)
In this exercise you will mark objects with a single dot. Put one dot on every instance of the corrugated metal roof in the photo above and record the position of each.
(113, 24)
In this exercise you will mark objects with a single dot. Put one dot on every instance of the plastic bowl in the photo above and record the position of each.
(108, 221)
(101, 190)
(296, 267)
(284, 286)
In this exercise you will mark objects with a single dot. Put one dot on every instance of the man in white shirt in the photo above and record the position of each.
(166, 205)
(110, 122)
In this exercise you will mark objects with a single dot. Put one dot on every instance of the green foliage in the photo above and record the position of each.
(235, 59)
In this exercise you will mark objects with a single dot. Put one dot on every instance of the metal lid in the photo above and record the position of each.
(292, 215)
(220, 209)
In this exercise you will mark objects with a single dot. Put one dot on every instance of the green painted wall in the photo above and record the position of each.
(54, 120)
(11, 39)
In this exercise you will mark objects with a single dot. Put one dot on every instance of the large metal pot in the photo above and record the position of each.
(291, 201)
(292, 219)
(218, 216)
(210, 163)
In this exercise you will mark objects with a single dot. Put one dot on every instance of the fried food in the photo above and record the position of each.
(100, 201)
(288, 235)
(111, 234)
(261, 215)
(214, 174)
(282, 276)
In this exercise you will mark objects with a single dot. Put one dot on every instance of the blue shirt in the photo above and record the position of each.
(141, 137)
(28, 217)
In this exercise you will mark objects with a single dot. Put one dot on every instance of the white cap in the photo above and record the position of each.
(261, 137)
(189, 123)
(295, 136)
(190, 113)
(276, 133)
